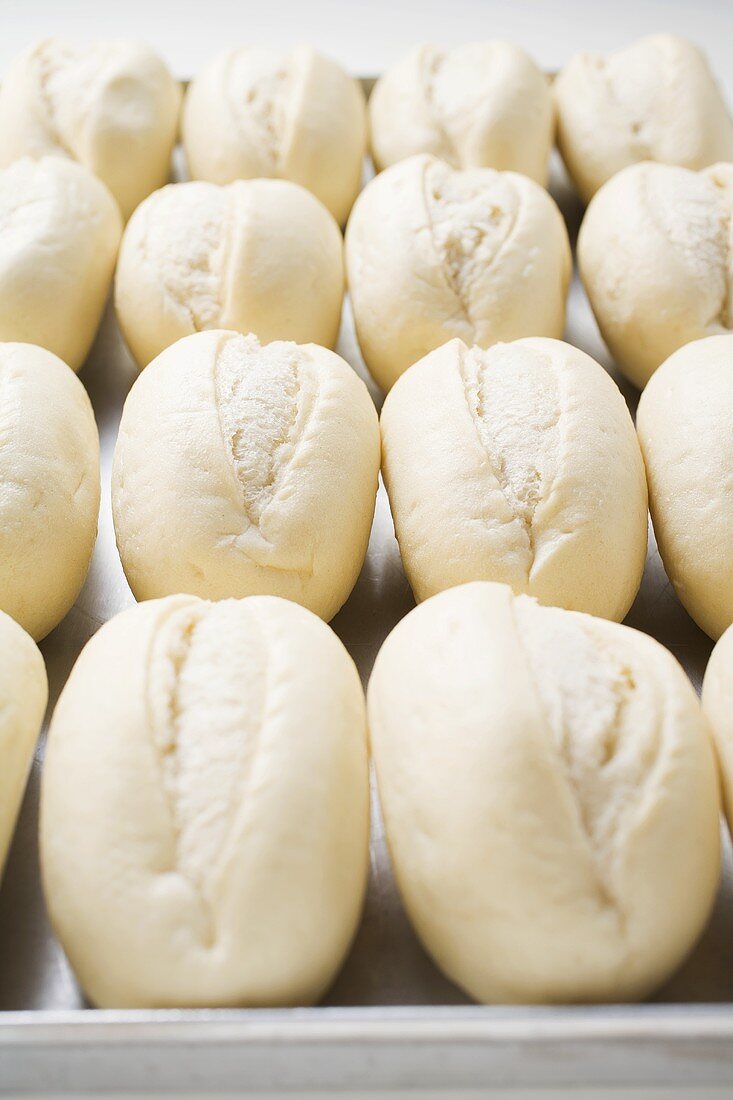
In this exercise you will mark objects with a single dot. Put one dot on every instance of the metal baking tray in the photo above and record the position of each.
(391, 1020)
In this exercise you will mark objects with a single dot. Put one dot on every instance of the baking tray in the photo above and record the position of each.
(391, 1020)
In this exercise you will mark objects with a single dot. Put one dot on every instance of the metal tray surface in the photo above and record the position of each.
(391, 1019)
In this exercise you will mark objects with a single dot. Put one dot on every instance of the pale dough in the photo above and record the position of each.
(49, 486)
(298, 116)
(484, 105)
(59, 233)
(433, 253)
(243, 469)
(717, 702)
(685, 425)
(517, 464)
(654, 100)
(205, 806)
(550, 797)
(261, 256)
(23, 694)
(655, 253)
(112, 106)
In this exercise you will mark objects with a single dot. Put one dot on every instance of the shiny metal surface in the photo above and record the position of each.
(50, 1041)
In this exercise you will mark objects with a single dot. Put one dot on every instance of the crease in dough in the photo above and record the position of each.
(592, 702)
(513, 397)
(721, 176)
(471, 220)
(187, 254)
(264, 400)
(207, 703)
(260, 100)
(431, 63)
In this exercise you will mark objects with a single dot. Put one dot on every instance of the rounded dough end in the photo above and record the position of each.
(205, 806)
(23, 696)
(685, 426)
(261, 256)
(243, 469)
(49, 487)
(550, 797)
(433, 253)
(517, 464)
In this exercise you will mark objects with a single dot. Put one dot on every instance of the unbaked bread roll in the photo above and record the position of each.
(518, 464)
(261, 256)
(59, 233)
(112, 106)
(717, 702)
(243, 469)
(433, 253)
(297, 116)
(49, 487)
(685, 425)
(485, 105)
(655, 100)
(205, 806)
(23, 694)
(656, 257)
(550, 797)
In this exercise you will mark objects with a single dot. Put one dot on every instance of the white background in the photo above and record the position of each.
(365, 35)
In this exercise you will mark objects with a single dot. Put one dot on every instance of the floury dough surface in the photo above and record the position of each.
(717, 702)
(112, 106)
(243, 469)
(655, 253)
(517, 464)
(260, 256)
(253, 112)
(550, 797)
(433, 253)
(205, 806)
(23, 694)
(656, 100)
(59, 233)
(484, 105)
(685, 425)
(49, 487)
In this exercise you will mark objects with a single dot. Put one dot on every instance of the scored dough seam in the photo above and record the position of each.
(45, 70)
(178, 293)
(302, 414)
(607, 897)
(261, 109)
(430, 65)
(495, 461)
(457, 281)
(166, 749)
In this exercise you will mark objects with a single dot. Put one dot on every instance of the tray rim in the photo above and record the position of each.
(383, 1022)
(233, 1051)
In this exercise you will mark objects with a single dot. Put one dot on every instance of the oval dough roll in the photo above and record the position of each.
(484, 105)
(717, 702)
(517, 464)
(550, 797)
(656, 260)
(205, 806)
(112, 106)
(685, 426)
(433, 253)
(298, 116)
(23, 695)
(49, 487)
(59, 233)
(243, 470)
(261, 256)
(654, 100)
